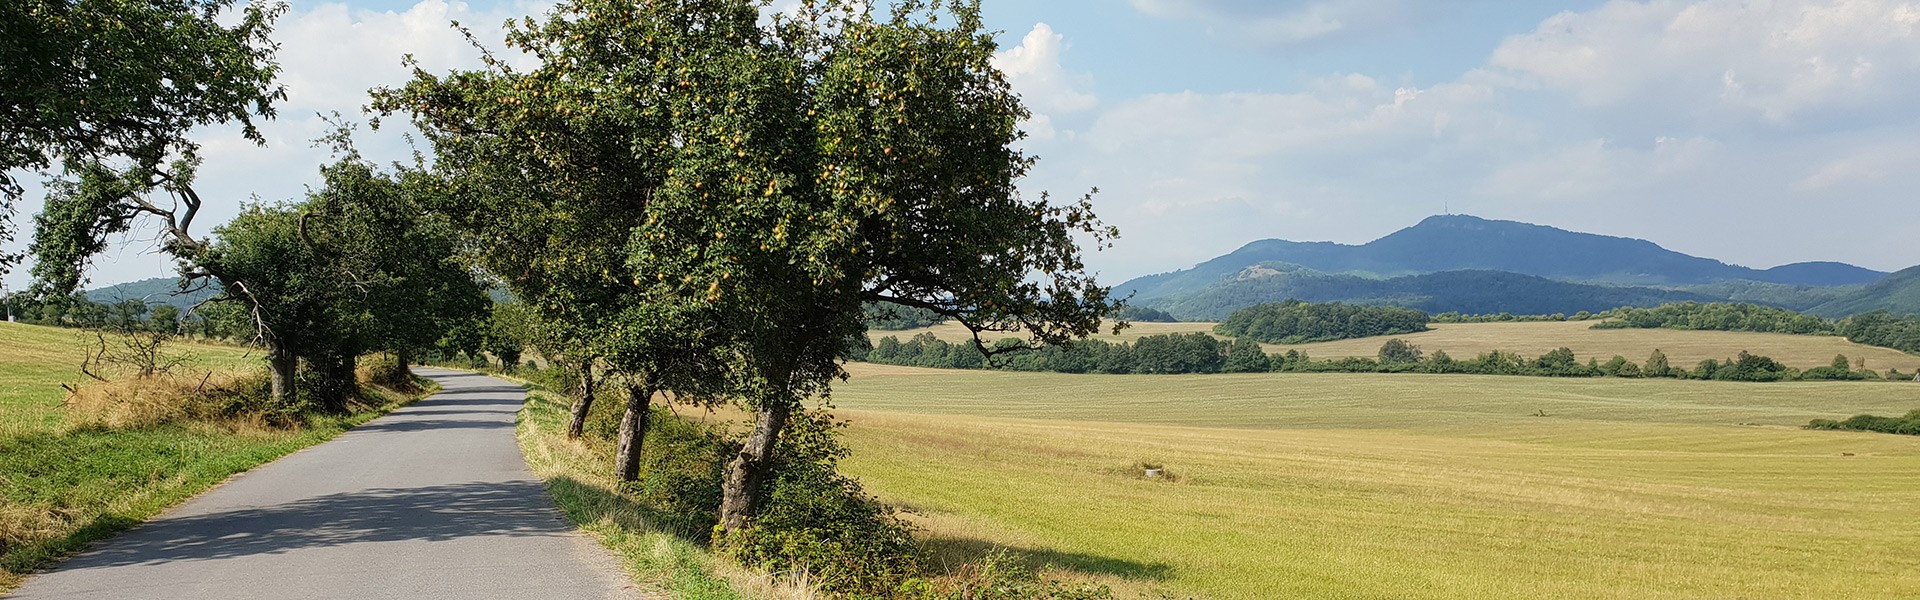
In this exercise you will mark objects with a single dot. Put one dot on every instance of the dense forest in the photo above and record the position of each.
(1201, 353)
(1296, 322)
(1718, 316)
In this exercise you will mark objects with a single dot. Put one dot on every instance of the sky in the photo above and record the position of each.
(1758, 132)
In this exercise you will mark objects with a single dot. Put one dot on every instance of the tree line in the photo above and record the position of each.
(1202, 353)
(1297, 322)
(1883, 329)
(1906, 425)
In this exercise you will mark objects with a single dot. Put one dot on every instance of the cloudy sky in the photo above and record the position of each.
(1757, 132)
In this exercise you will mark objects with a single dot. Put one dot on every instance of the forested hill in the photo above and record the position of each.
(1898, 293)
(1469, 292)
(1461, 242)
(159, 290)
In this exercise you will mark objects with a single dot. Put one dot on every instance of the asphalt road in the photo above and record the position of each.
(432, 501)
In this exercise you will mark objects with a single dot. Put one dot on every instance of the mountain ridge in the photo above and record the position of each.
(1464, 242)
(1620, 267)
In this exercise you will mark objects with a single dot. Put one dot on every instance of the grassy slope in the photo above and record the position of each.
(62, 488)
(1465, 340)
(1371, 486)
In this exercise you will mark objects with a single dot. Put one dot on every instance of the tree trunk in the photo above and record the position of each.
(749, 469)
(633, 432)
(578, 424)
(401, 358)
(341, 382)
(280, 366)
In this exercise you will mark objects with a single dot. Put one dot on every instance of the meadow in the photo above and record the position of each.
(1465, 340)
(65, 483)
(1402, 486)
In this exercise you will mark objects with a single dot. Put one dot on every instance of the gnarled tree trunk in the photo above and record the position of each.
(578, 424)
(749, 469)
(633, 432)
(281, 366)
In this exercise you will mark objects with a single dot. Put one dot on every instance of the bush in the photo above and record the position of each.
(819, 524)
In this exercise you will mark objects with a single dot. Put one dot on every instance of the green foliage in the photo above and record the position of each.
(1178, 353)
(1907, 425)
(1246, 356)
(1885, 330)
(1398, 351)
(1717, 316)
(817, 521)
(1656, 365)
(1456, 317)
(90, 81)
(1142, 314)
(1296, 322)
(887, 316)
(1193, 353)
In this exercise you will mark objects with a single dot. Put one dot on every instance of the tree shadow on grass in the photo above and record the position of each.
(588, 503)
(954, 551)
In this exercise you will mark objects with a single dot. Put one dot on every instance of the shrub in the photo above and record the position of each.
(820, 525)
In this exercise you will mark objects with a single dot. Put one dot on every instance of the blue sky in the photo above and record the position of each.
(1759, 132)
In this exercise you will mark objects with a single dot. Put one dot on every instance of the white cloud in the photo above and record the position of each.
(1724, 63)
(1049, 91)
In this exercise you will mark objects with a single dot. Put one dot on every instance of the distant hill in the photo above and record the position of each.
(159, 290)
(1473, 292)
(1898, 293)
(1461, 242)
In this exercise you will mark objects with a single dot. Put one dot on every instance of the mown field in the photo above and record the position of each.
(1465, 340)
(1403, 486)
(65, 484)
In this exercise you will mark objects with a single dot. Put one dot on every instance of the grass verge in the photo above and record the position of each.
(576, 472)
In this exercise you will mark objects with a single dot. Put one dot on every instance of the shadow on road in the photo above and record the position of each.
(431, 513)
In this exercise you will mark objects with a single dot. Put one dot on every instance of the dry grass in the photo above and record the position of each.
(1465, 340)
(1404, 486)
(155, 401)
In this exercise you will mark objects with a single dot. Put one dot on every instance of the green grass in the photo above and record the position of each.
(579, 475)
(1684, 349)
(1403, 486)
(63, 486)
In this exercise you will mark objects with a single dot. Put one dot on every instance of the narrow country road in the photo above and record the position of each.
(432, 501)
